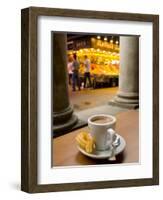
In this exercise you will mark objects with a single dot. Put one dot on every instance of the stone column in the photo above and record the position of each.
(63, 117)
(128, 94)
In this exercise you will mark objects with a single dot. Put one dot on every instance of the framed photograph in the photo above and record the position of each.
(90, 99)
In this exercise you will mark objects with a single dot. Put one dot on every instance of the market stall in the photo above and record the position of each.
(104, 58)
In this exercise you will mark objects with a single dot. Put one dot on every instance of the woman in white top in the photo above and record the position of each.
(87, 65)
(69, 69)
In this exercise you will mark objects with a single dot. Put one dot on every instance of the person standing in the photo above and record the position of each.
(75, 74)
(69, 69)
(87, 65)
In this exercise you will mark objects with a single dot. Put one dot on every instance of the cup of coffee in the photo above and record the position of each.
(102, 130)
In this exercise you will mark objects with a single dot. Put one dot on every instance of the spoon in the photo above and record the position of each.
(114, 145)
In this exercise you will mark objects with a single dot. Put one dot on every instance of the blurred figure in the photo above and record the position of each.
(87, 66)
(69, 69)
(75, 74)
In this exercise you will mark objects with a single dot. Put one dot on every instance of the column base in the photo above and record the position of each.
(64, 120)
(123, 105)
(61, 128)
(126, 100)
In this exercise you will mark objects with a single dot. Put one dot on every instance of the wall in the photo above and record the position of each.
(10, 98)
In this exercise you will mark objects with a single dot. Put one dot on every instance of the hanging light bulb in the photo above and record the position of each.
(98, 37)
(117, 42)
(105, 38)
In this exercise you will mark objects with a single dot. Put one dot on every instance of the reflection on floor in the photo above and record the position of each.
(89, 102)
(89, 98)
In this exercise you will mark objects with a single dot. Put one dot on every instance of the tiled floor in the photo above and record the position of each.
(90, 98)
(88, 102)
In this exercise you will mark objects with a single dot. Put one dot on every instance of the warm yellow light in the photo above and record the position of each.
(111, 41)
(98, 49)
(105, 38)
(116, 42)
(98, 37)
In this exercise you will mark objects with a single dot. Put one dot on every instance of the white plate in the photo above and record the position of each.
(104, 154)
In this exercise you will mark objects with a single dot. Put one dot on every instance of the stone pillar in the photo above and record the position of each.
(63, 117)
(128, 94)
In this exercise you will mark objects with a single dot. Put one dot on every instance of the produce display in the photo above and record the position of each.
(102, 62)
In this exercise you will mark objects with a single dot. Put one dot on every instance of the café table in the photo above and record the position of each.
(66, 153)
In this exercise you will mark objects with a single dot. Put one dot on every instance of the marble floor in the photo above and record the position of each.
(91, 98)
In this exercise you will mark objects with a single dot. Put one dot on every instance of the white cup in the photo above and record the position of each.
(102, 130)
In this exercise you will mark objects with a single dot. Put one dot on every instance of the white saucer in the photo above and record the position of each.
(104, 154)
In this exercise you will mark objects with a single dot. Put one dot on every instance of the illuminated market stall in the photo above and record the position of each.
(103, 53)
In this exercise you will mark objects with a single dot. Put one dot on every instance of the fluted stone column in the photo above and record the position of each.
(128, 94)
(63, 117)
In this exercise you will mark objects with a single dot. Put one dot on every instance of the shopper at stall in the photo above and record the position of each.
(75, 74)
(87, 67)
(69, 69)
